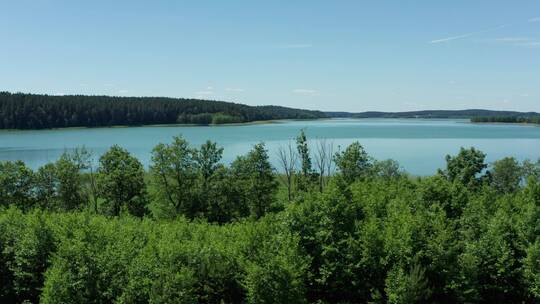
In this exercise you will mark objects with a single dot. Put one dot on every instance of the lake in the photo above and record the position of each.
(419, 145)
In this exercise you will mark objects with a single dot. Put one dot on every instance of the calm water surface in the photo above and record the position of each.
(419, 145)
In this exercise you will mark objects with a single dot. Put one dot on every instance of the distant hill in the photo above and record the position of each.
(37, 111)
(465, 114)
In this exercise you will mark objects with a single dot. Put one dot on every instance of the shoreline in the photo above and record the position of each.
(256, 122)
(505, 123)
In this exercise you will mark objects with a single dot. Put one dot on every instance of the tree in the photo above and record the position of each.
(465, 167)
(46, 187)
(506, 175)
(387, 169)
(207, 159)
(174, 171)
(70, 186)
(288, 160)
(120, 182)
(255, 180)
(353, 163)
(16, 184)
(531, 169)
(306, 170)
(324, 162)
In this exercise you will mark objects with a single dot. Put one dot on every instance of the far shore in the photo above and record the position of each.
(257, 122)
(505, 123)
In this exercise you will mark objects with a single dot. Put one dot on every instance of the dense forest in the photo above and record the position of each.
(333, 226)
(464, 114)
(508, 119)
(33, 111)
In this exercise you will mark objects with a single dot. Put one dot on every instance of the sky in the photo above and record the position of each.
(326, 55)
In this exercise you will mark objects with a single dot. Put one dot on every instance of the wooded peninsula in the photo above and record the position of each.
(40, 111)
(35, 111)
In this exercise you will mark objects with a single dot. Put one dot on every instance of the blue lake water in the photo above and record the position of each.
(419, 145)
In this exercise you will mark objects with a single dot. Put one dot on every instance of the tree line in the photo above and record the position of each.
(456, 114)
(507, 119)
(332, 225)
(35, 111)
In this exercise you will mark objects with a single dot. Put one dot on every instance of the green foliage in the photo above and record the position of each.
(466, 167)
(353, 163)
(220, 234)
(174, 171)
(120, 181)
(16, 184)
(506, 175)
(33, 111)
(254, 181)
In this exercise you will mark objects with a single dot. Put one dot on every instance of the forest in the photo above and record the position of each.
(35, 111)
(507, 119)
(329, 225)
(443, 114)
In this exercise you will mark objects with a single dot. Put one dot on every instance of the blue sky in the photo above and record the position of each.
(328, 55)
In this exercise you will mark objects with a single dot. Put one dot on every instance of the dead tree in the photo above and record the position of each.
(324, 161)
(288, 159)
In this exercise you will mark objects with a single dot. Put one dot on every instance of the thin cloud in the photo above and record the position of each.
(533, 44)
(306, 92)
(517, 41)
(447, 39)
(206, 93)
(123, 91)
(239, 90)
(296, 46)
(535, 19)
(512, 39)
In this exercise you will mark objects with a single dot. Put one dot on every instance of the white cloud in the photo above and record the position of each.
(512, 39)
(123, 91)
(306, 92)
(465, 35)
(296, 46)
(533, 44)
(516, 41)
(535, 19)
(205, 93)
(235, 90)
(453, 38)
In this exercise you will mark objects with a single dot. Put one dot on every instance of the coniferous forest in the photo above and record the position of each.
(34, 111)
(329, 225)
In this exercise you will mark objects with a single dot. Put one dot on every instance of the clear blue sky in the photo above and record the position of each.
(328, 55)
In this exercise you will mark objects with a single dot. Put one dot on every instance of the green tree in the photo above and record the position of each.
(306, 168)
(70, 185)
(120, 181)
(305, 177)
(353, 163)
(466, 167)
(255, 180)
(506, 175)
(387, 169)
(16, 184)
(531, 169)
(174, 171)
(46, 187)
